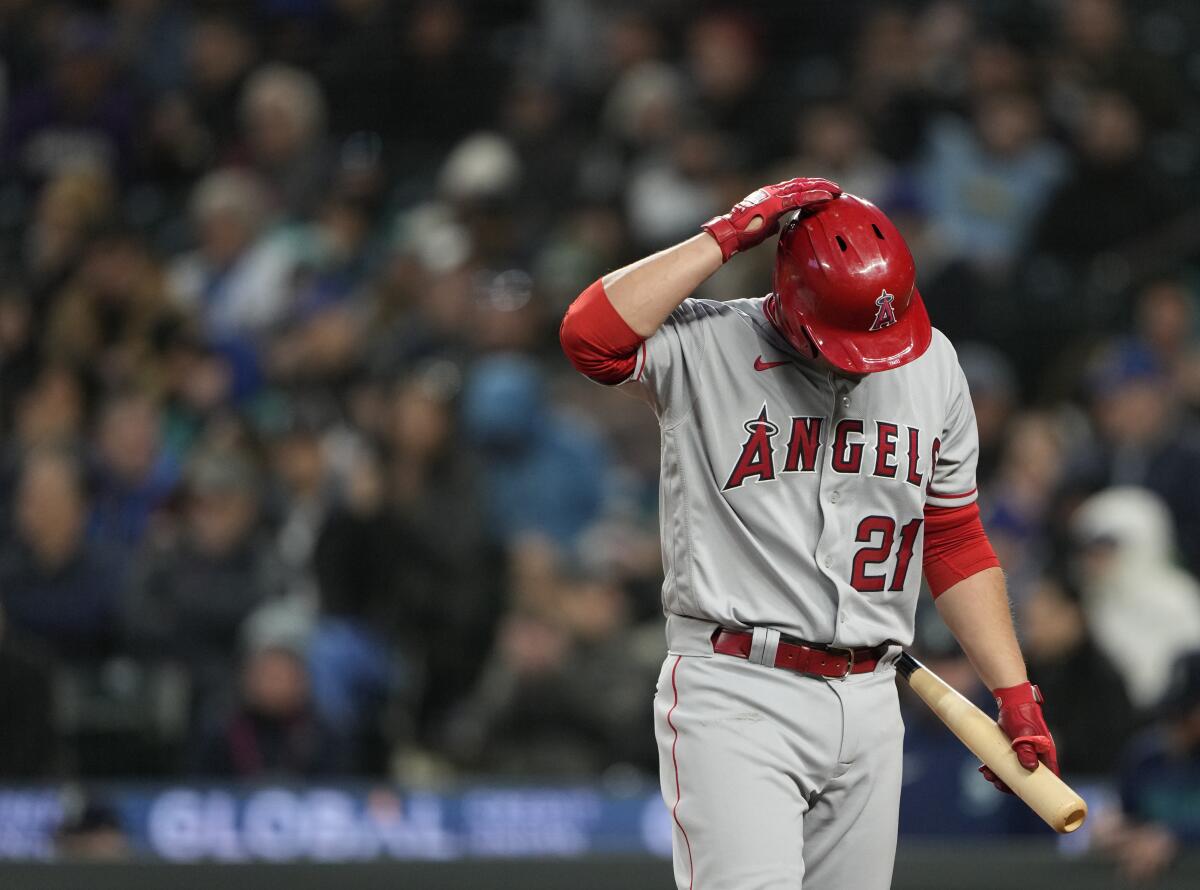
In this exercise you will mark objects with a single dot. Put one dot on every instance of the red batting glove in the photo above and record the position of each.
(1022, 721)
(769, 203)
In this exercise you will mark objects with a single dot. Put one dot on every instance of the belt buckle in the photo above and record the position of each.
(849, 660)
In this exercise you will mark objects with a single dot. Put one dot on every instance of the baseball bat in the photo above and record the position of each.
(1047, 795)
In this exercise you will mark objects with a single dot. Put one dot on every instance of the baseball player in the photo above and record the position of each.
(818, 446)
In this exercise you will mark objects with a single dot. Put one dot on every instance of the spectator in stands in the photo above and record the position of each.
(81, 115)
(561, 693)
(194, 591)
(219, 57)
(109, 314)
(681, 181)
(1098, 48)
(273, 732)
(1143, 610)
(1114, 195)
(437, 492)
(28, 748)
(726, 63)
(50, 413)
(424, 294)
(56, 586)
(992, 382)
(283, 121)
(986, 179)
(480, 180)
(1158, 781)
(321, 332)
(303, 493)
(71, 207)
(238, 279)
(1094, 716)
(833, 137)
(888, 80)
(367, 567)
(509, 313)
(133, 475)
(203, 383)
(1166, 325)
(543, 474)
(1018, 501)
(1144, 438)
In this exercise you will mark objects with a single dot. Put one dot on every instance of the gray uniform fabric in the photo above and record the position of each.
(777, 781)
(779, 546)
(791, 502)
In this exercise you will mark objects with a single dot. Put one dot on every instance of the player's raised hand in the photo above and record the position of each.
(1022, 721)
(756, 217)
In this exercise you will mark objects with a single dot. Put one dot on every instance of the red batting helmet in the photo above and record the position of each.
(845, 280)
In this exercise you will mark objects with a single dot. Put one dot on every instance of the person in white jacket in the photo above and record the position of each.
(1142, 607)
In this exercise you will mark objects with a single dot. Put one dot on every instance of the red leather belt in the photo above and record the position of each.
(801, 657)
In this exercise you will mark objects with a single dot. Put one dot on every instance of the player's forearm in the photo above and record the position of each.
(646, 292)
(977, 612)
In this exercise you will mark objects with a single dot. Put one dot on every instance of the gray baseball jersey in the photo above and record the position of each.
(792, 497)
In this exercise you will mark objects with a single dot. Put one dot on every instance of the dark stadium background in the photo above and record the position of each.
(314, 549)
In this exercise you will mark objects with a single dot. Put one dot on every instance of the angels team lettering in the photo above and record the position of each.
(895, 452)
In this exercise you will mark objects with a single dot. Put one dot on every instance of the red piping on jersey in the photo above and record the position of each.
(675, 763)
(597, 340)
(956, 546)
(960, 494)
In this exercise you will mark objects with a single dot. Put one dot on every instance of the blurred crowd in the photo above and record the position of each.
(294, 480)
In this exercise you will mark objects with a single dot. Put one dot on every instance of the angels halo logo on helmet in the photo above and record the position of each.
(886, 316)
(845, 282)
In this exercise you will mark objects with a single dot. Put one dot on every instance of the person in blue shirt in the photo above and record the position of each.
(544, 474)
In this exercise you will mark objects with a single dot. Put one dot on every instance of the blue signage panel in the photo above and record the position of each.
(364, 822)
(349, 823)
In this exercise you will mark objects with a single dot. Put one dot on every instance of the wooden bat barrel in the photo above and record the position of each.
(1045, 793)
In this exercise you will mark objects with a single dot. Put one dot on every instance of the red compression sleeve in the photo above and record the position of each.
(956, 546)
(599, 343)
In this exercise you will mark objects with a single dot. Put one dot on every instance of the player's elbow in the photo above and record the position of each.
(597, 340)
(573, 340)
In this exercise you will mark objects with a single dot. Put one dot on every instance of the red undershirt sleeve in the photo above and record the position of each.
(599, 343)
(956, 546)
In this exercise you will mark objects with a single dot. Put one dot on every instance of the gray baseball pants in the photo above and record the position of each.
(776, 780)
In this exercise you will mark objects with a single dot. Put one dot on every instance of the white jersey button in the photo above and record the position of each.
(828, 562)
(833, 498)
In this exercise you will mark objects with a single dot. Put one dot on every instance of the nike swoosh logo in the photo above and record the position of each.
(760, 365)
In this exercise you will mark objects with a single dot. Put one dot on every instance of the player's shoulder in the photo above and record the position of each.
(936, 369)
(699, 310)
(709, 308)
(941, 354)
(940, 345)
(699, 317)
